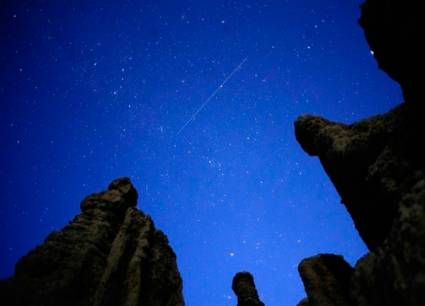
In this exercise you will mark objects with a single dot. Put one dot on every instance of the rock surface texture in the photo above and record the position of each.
(110, 254)
(244, 287)
(378, 167)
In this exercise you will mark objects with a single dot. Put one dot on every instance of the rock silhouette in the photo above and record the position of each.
(110, 254)
(377, 166)
(244, 287)
(393, 29)
(326, 278)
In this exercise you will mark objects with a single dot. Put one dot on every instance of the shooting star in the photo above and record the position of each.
(238, 67)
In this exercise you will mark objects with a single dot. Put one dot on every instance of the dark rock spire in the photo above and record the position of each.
(244, 287)
(326, 279)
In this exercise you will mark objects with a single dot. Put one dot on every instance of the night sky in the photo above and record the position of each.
(195, 101)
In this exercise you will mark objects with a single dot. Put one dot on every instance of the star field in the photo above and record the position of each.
(94, 90)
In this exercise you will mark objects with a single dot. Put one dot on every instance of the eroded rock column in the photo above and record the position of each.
(244, 287)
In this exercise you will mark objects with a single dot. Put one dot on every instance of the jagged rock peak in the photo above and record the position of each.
(109, 255)
(244, 287)
(120, 195)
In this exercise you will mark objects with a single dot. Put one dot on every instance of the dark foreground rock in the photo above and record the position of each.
(110, 254)
(394, 31)
(373, 164)
(326, 278)
(378, 167)
(244, 287)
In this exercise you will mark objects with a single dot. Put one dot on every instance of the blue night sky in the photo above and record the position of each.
(195, 101)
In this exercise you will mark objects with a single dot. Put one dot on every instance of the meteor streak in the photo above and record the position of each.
(238, 67)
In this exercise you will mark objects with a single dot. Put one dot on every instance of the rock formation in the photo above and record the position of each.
(244, 287)
(393, 29)
(110, 254)
(378, 167)
(326, 278)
